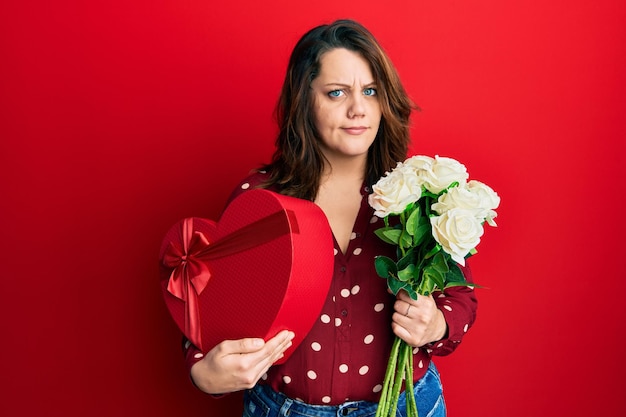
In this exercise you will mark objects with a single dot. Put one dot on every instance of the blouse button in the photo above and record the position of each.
(342, 269)
(344, 312)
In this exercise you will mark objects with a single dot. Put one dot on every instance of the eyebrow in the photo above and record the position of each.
(337, 84)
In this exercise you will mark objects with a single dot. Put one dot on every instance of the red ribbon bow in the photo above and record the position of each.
(191, 274)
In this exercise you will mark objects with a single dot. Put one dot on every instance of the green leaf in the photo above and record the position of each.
(432, 277)
(428, 194)
(406, 240)
(388, 235)
(455, 278)
(412, 222)
(427, 285)
(454, 184)
(463, 284)
(385, 267)
(409, 258)
(432, 251)
(455, 275)
(395, 285)
(440, 263)
(421, 232)
(406, 274)
(409, 290)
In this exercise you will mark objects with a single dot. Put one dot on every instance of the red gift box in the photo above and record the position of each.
(264, 267)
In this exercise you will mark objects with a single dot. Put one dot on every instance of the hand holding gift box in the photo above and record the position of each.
(264, 267)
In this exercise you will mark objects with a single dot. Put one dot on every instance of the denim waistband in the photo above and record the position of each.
(263, 401)
(289, 406)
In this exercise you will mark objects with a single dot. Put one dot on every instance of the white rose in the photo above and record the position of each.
(396, 190)
(420, 162)
(457, 231)
(443, 172)
(489, 200)
(460, 197)
(475, 198)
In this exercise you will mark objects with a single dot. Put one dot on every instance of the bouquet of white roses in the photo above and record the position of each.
(440, 222)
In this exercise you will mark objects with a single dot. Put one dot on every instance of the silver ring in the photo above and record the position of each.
(407, 311)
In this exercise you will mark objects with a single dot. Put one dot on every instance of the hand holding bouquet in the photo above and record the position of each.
(440, 217)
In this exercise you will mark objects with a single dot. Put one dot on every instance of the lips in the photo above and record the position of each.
(355, 130)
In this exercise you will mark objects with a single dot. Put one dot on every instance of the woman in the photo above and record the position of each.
(344, 121)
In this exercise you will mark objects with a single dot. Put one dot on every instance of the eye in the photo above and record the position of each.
(335, 93)
(369, 91)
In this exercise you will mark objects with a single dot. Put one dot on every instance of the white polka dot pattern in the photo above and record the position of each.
(343, 356)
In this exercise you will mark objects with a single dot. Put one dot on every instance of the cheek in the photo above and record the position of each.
(323, 119)
(376, 111)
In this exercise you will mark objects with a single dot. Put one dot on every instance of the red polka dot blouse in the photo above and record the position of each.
(344, 356)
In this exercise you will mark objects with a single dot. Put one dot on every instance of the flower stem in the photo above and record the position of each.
(411, 406)
(385, 396)
(397, 383)
(402, 233)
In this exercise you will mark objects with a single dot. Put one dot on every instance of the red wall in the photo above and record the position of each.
(118, 118)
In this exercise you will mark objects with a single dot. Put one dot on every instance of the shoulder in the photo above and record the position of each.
(255, 179)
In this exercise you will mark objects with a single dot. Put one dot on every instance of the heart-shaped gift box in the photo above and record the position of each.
(265, 266)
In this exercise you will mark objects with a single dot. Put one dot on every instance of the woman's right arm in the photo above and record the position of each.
(234, 365)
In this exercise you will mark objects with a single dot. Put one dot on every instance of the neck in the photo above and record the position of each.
(345, 169)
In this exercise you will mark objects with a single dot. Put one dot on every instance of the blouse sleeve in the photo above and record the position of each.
(458, 305)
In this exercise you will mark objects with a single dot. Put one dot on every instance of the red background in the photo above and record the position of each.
(118, 118)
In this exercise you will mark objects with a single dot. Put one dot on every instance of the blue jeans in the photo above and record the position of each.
(263, 401)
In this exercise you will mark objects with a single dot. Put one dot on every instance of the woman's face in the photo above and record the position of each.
(345, 105)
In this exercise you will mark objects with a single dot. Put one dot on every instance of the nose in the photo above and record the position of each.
(357, 106)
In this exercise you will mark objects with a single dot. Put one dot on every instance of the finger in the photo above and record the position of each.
(403, 334)
(273, 350)
(403, 307)
(247, 345)
(279, 344)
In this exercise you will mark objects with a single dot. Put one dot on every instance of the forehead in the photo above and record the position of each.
(345, 64)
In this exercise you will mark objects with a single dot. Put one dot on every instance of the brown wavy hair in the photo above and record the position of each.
(297, 163)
